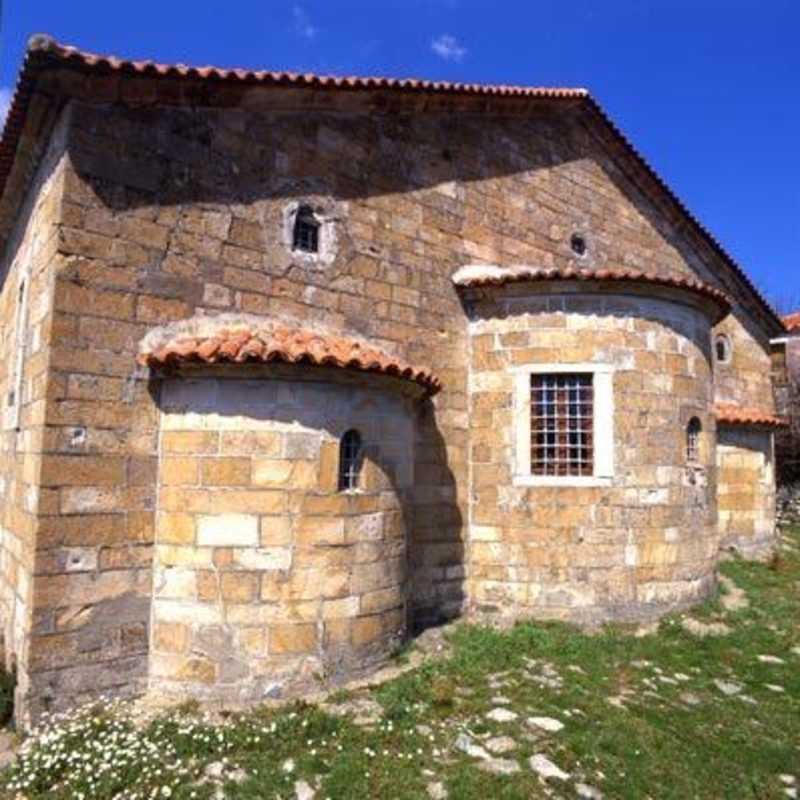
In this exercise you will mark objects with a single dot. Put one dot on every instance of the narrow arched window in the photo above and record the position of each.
(350, 459)
(305, 234)
(693, 439)
(722, 349)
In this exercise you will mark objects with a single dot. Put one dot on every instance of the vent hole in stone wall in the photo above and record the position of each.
(578, 244)
(350, 460)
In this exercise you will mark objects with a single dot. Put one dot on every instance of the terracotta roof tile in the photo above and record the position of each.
(738, 415)
(42, 42)
(792, 322)
(498, 276)
(283, 344)
(44, 52)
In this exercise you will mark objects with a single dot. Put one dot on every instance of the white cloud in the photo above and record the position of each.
(448, 48)
(302, 23)
(5, 103)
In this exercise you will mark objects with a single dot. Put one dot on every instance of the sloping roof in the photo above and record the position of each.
(282, 344)
(728, 414)
(488, 275)
(792, 322)
(42, 42)
(100, 71)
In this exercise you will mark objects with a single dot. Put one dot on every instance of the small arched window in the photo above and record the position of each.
(722, 349)
(693, 430)
(350, 459)
(305, 234)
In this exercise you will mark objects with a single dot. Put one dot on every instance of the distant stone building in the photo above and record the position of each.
(786, 379)
(277, 392)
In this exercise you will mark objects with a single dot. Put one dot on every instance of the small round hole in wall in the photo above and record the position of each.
(578, 244)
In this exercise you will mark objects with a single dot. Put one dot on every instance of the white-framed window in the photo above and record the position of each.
(563, 425)
(310, 232)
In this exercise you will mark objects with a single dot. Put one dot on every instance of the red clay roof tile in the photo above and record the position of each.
(42, 42)
(44, 52)
(792, 322)
(729, 414)
(500, 276)
(283, 344)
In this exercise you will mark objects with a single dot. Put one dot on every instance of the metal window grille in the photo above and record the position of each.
(306, 231)
(562, 424)
(350, 458)
(693, 439)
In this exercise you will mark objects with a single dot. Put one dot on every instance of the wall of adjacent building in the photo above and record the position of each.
(746, 493)
(746, 504)
(786, 377)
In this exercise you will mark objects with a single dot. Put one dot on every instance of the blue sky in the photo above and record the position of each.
(708, 90)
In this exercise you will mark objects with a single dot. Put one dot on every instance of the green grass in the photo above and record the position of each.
(657, 745)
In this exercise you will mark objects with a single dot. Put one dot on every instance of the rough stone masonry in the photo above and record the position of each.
(259, 425)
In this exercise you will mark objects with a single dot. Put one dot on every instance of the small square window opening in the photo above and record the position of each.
(305, 234)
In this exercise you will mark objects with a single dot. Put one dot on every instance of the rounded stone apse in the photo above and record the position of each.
(593, 448)
(282, 529)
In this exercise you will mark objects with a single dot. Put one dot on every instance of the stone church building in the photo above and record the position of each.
(295, 366)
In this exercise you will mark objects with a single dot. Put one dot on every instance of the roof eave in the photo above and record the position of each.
(44, 53)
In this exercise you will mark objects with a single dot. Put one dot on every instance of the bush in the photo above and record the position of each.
(8, 682)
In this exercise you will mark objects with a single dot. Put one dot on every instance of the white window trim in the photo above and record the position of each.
(603, 425)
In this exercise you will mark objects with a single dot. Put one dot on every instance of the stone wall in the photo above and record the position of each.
(746, 380)
(268, 579)
(26, 293)
(172, 212)
(634, 545)
(746, 491)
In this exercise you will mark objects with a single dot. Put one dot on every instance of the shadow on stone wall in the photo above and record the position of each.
(375, 402)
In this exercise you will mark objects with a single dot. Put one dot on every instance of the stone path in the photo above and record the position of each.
(702, 629)
(734, 598)
(546, 769)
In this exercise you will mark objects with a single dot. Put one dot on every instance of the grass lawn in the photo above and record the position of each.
(671, 714)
